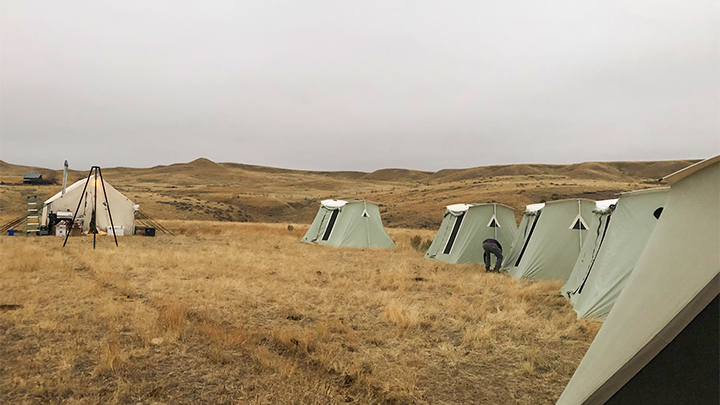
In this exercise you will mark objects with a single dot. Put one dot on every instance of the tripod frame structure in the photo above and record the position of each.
(98, 173)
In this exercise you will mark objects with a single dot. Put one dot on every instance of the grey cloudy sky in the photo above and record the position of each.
(358, 85)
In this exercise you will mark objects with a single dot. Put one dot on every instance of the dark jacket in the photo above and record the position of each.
(493, 241)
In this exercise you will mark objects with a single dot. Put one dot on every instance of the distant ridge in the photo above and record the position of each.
(203, 167)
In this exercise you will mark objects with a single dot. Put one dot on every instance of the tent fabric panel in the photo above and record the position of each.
(441, 236)
(361, 231)
(685, 371)
(469, 244)
(313, 232)
(123, 210)
(352, 228)
(519, 240)
(629, 230)
(553, 248)
(674, 279)
(590, 249)
(467, 247)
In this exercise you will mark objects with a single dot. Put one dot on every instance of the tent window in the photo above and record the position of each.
(365, 214)
(579, 223)
(527, 240)
(453, 234)
(658, 212)
(330, 225)
(493, 223)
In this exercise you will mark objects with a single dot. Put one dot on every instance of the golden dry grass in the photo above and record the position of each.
(228, 313)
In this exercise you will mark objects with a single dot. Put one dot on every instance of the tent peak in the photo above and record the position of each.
(673, 178)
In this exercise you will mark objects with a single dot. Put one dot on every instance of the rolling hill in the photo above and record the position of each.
(207, 190)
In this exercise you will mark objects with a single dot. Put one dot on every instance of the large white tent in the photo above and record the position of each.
(549, 239)
(121, 208)
(660, 344)
(354, 223)
(614, 243)
(465, 226)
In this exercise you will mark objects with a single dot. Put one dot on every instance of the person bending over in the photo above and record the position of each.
(492, 246)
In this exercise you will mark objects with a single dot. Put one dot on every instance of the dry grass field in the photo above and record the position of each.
(244, 313)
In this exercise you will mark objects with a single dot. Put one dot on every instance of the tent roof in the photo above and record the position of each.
(69, 188)
(645, 190)
(682, 173)
(534, 207)
(566, 200)
(604, 205)
(465, 207)
(341, 203)
(333, 203)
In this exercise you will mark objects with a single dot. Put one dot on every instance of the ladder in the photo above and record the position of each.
(32, 221)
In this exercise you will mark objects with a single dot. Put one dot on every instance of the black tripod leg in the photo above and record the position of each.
(107, 202)
(95, 231)
(77, 209)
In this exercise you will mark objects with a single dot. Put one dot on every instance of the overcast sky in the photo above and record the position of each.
(358, 85)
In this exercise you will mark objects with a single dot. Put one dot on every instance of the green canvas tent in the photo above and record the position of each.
(465, 226)
(552, 237)
(616, 239)
(354, 223)
(526, 223)
(660, 344)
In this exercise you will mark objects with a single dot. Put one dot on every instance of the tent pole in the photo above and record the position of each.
(107, 203)
(72, 222)
(95, 205)
(580, 230)
(367, 222)
(495, 216)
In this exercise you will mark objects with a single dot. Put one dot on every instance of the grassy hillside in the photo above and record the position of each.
(205, 190)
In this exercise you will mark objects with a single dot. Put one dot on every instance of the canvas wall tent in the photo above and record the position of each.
(466, 226)
(660, 344)
(354, 223)
(616, 239)
(122, 209)
(552, 240)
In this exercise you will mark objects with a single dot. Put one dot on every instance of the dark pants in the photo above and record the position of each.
(491, 248)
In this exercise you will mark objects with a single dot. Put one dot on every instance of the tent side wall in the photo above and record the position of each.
(675, 278)
(628, 232)
(554, 247)
(313, 233)
(520, 236)
(591, 247)
(441, 237)
(474, 230)
(475, 227)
